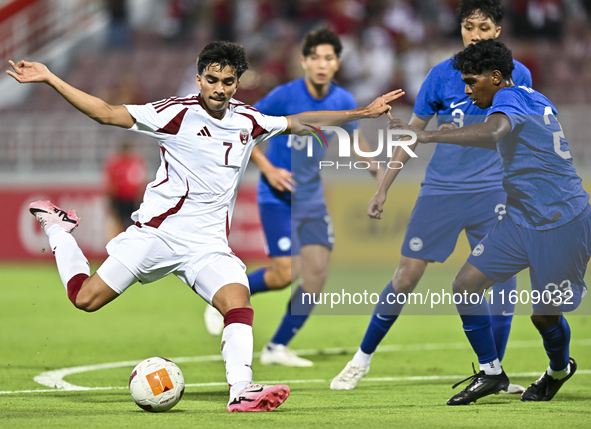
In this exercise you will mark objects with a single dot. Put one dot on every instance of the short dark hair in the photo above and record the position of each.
(485, 56)
(223, 54)
(492, 9)
(322, 36)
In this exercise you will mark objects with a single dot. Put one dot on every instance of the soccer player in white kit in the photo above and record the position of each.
(183, 223)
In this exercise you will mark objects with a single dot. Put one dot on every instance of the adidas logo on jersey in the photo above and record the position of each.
(204, 132)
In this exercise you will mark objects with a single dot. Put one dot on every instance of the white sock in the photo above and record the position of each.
(68, 256)
(362, 359)
(559, 375)
(491, 368)
(237, 349)
(53, 229)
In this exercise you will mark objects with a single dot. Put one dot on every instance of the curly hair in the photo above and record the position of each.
(485, 56)
(492, 9)
(223, 54)
(322, 36)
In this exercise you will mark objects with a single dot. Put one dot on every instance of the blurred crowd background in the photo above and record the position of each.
(388, 43)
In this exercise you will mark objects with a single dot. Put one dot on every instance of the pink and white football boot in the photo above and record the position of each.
(259, 397)
(48, 214)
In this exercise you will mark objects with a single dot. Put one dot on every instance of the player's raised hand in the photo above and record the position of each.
(380, 105)
(25, 72)
(281, 179)
(397, 124)
(375, 206)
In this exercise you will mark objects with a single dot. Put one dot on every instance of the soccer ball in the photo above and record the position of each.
(156, 384)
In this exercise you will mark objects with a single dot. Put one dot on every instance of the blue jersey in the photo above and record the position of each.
(543, 188)
(290, 152)
(456, 169)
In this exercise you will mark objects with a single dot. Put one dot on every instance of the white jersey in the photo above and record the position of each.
(203, 160)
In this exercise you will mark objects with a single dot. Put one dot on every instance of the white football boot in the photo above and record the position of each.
(349, 376)
(278, 354)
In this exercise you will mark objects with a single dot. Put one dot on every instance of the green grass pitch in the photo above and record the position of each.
(408, 384)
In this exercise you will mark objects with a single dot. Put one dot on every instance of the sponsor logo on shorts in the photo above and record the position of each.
(415, 244)
(284, 243)
(478, 250)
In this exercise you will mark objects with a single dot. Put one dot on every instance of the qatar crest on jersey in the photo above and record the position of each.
(243, 135)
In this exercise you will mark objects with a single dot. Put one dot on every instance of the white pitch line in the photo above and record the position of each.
(225, 383)
(55, 378)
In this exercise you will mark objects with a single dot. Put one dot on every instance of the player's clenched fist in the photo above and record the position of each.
(375, 206)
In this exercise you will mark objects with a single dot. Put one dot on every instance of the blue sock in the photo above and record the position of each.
(296, 315)
(501, 311)
(384, 316)
(256, 281)
(556, 342)
(476, 322)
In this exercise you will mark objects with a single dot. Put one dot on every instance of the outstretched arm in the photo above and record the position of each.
(484, 135)
(93, 107)
(339, 117)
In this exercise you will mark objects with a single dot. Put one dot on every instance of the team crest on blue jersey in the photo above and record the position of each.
(243, 135)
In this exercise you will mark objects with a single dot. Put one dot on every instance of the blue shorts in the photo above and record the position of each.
(557, 260)
(286, 233)
(437, 220)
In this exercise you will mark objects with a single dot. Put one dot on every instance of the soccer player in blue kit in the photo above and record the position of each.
(462, 190)
(297, 227)
(547, 227)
